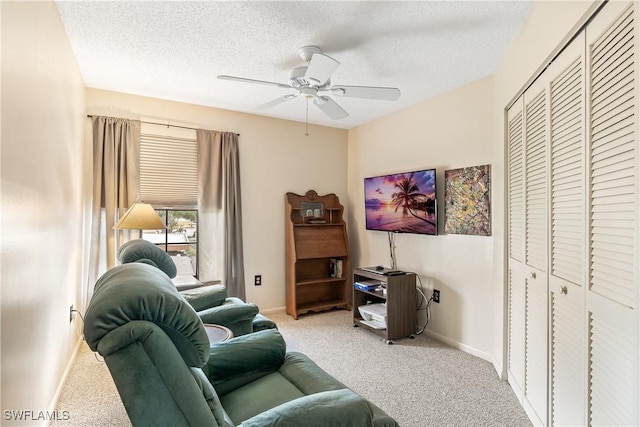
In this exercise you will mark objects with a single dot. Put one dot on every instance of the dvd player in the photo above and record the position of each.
(378, 269)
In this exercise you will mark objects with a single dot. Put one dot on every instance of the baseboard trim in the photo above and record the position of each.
(273, 310)
(63, 380)
(499, 370)
(463, 347)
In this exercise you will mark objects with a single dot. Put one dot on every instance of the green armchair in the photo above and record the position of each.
(167, 373)
(210, 301)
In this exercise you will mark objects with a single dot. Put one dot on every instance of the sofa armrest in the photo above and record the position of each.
(204, 297)
(246, 357)
(228, 314)
(260, 323)
(329, 408)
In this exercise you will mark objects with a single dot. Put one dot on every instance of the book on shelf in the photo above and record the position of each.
(335, 267)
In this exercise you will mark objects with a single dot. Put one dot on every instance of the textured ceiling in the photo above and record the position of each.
(175, 49)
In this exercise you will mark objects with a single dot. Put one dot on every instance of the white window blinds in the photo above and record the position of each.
(168, 166)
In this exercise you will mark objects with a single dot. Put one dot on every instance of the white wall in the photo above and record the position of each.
(275, 157)
(447, 132)
(547, 25)
(42, 152)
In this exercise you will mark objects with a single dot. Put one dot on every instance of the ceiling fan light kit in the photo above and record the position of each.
(313, 81)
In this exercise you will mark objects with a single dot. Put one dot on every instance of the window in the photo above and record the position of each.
(169, 182)
(168, 166)
(179, 240)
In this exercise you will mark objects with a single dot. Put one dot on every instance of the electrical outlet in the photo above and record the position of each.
(258, 280)
(72, 314)
(436, 296)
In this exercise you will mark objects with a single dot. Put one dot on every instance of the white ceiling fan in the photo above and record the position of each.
(313, 81)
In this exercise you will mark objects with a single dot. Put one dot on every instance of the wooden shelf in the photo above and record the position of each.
(326, 209)
(317, 225)
(321, 306)
(320, 280)
(376, 294)
(310, 249)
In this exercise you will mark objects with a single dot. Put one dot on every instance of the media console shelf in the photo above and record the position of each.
(316, 241)
(400, 299)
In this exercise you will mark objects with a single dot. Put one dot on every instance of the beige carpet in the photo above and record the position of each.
(419, 382)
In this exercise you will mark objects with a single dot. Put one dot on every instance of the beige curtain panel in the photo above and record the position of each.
(220, 211)
(116, 155)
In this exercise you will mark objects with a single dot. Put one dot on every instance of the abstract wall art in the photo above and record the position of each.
(467, 200)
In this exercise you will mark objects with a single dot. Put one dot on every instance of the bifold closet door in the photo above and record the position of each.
(567, 266)
(528, 224)
(574, 230)
(613, 217)
(536, 125)
(516, 242)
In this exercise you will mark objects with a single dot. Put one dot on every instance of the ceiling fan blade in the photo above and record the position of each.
(261, 82)
(276, 102)
(320, 68)
(367, 92)
(330, 107)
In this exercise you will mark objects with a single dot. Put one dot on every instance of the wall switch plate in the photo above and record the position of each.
(436, 296)
(258, 280)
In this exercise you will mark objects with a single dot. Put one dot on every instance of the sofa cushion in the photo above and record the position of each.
(342, 408)
(143, 251)
(259, 396)
(142, 292)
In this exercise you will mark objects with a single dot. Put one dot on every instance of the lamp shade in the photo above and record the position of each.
(140, 216)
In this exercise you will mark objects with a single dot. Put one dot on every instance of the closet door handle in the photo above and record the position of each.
(564, 290)
(533, 274)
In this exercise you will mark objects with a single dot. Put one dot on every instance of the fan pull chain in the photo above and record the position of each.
(306, 120)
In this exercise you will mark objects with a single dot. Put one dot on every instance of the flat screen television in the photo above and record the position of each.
(402, 202)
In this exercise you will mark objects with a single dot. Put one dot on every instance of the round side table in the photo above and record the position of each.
(217, 333)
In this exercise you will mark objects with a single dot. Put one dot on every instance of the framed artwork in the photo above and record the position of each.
(312, 210)
(467, 200)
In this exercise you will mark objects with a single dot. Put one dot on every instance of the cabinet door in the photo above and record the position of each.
(536, 112)
(567, 265)
(612, 287)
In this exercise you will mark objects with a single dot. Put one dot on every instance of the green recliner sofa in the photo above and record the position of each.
(168, 374)
(211, 302)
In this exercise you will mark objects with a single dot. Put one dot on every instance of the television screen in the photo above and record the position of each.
(402, 202)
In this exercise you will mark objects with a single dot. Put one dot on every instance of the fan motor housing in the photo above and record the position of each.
(298, 80)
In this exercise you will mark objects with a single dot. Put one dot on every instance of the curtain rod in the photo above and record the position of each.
(161, 124)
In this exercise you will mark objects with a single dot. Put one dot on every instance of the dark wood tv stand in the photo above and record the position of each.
(400, 299)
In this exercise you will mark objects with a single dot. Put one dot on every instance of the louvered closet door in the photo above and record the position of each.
(536, 110)
(516, 239)
(612, 288)
(567, 267)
